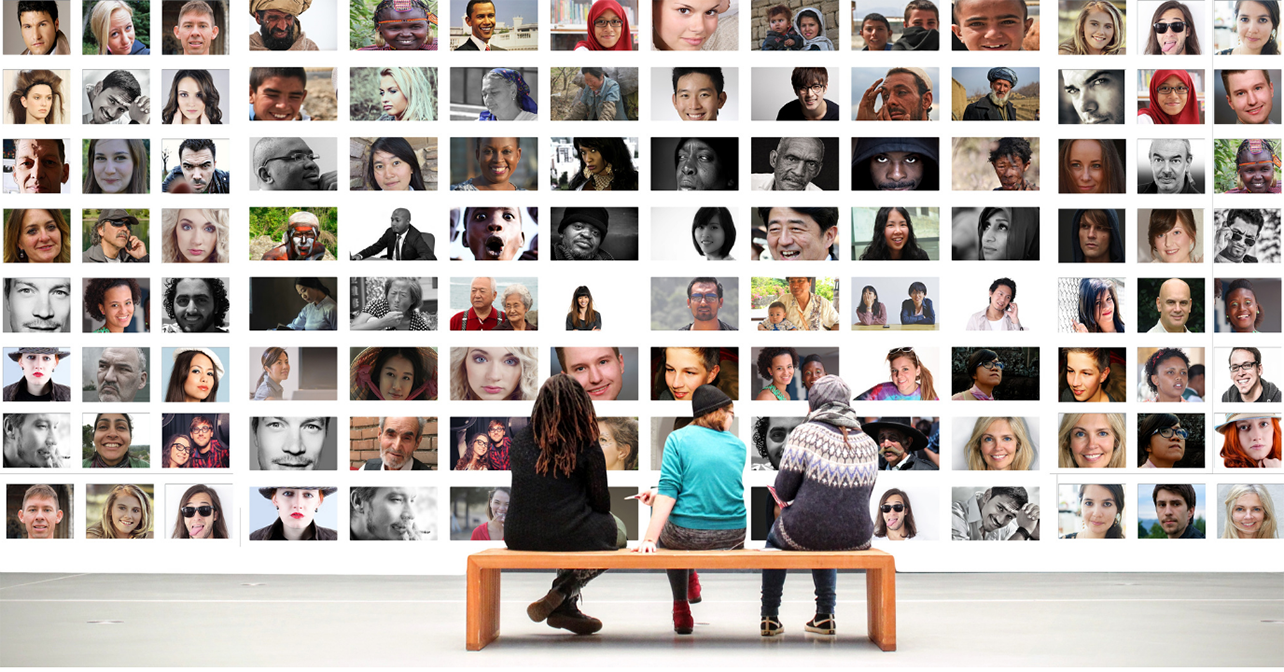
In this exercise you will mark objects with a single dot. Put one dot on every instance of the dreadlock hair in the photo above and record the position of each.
(564, 424)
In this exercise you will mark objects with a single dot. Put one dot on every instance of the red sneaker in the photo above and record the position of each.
(693, 588)
(683, 623)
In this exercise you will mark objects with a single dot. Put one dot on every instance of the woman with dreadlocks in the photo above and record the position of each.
(559, 500)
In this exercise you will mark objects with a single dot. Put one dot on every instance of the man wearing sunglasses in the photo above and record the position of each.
(996, 514)
(112, 239)
(1239, 236)
(1251, 94)
(1175, 507)
(704, 299)
(1247, 385)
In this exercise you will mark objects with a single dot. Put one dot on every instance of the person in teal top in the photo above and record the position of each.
(699, 505)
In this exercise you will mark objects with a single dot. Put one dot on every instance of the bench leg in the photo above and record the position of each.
(483, 606)
(880, 590)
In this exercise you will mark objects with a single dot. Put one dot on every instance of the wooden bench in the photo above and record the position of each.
(484, 569)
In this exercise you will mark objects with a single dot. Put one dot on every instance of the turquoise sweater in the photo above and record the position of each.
(703, 470)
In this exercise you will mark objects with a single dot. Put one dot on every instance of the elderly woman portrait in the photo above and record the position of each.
(507, 97)
(699, 164)
(400, 308)
(38, 97)
(111, 25)
(517, 302)
(401, 25)
(37, 237)
(126, 514)
(38, 365)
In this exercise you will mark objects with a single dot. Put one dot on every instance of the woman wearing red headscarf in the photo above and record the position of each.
(608, 28)
(1173, 99)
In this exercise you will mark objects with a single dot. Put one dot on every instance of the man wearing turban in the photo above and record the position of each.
(997, 105)
(279, 28)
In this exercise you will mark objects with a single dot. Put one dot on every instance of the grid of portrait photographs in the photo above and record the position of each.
(851, 302)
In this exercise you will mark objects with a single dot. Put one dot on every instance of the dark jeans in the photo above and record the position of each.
(773, 585)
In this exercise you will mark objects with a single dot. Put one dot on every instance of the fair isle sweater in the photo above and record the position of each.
(829, 481)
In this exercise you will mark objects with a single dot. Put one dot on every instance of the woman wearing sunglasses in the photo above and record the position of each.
(1172, 31)
(199, 515)
(986, 371)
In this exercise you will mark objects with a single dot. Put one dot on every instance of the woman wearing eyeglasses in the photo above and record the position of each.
(986, 372)
(177, 452)
(1172, 31)
(910, 380)
(608, 28)
(1173, 99)
(199, 515)
(1162, 441)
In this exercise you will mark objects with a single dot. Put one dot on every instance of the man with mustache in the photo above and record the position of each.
(704, 300)
(37, 305)
(479, 16)
(401, 241)
(1170, 168)
(398, 440)
(581, 233)
(1256, 162)
(1251, 94)
(40, 166)
(195, 29)
(1173, 305)
(897, 442)
(301, 240)
(279, 26)
(37, 384)
(1239, 236)
(198, 168)
(906, 94)
(112, 239)
(997, 105)
(209, 452)
(38, 20)
(1175, 507)
(895, 164)
(1247, 385)
(1096, 95)
(385, 514)
(41, 512)
(493, 233)
(1010, 158)
(195, 305)
(795, 162)
(289, 164)
(31, 440)
(120, 374)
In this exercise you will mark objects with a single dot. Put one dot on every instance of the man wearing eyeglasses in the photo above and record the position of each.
(208, 452)
(599, 100)
(1247, 385)
(810, 85)
(112, 239)
(704, 299)
(1251, 94)
(1001, 313)
(289, 164)
(1239, 237)
(279, 26)
(795, 162)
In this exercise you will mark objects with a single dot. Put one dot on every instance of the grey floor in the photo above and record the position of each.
(1172, 620)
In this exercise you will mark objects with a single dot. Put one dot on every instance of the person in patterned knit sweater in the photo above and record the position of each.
(826, 476)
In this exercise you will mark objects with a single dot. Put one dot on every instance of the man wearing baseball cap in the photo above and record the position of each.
(112, 239)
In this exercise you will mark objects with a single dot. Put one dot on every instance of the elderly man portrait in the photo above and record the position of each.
(34, 440)
(37, 383)
(493, 233)
(112, 239)
(1237, 238)
(195, 305)
(279, 26)
(895, 164)
(198, 168)
(115, 95)
(997, 104)
(580, 235)
(1001, 313)
(37, 305)
(898, 442)
(1174, 304)
(40, 166)
(806, 309)
(906, 94)
(1175, 508)
(795, 162)
(390, 513)
(1010, 158)
(800, 234)
(1247, 384)
(1096, 96)
(479, 16)
(39, 22)
(1251, 94)
(1256, 161)
(398, 440)
(119, 375)
(704, 299)
(41, 511)
(600, 98)
(289, 164)
(1170, 160)
(400, 241)
(195, 30)
(482, 315)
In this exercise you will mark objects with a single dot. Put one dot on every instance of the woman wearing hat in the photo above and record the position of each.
(818, 512)
(296, 507)
(37, 382)
(396, 374)
(195, 375)
(560, 501)
(699, 505)
(1251, 440)
(113, 434)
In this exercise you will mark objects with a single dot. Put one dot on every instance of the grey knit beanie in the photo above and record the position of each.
(829, 388)
(708, 399)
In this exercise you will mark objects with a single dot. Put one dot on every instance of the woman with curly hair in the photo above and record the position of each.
(1098, 308)
(1092, 441)
(999, 444)
(193, 99)
(893, 238)
(37, 98)
(1251, 441)
(1167, 374)
(195, 376)
(1173, 31)
(910, 379)
(112, 301)
(391, 165)
(127, 514)
(37, 237)
(507, 97)
(405, 94)
(191, 236)
(606, 164)
(1101, 509)
(493, 373)
(116, 166)
(200, 515)
(1099, 31)
(396, 374)
(1243, 312)
(777, 366)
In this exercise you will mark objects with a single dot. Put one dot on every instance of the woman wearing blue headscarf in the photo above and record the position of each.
(507, 97)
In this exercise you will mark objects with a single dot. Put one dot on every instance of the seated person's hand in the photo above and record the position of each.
(645, 547)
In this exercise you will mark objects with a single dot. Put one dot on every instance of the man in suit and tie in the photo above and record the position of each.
(480, 17)
(398, 439)
(400, 241)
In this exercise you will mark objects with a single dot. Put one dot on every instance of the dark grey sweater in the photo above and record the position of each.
(829, 481)
(558, 513)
